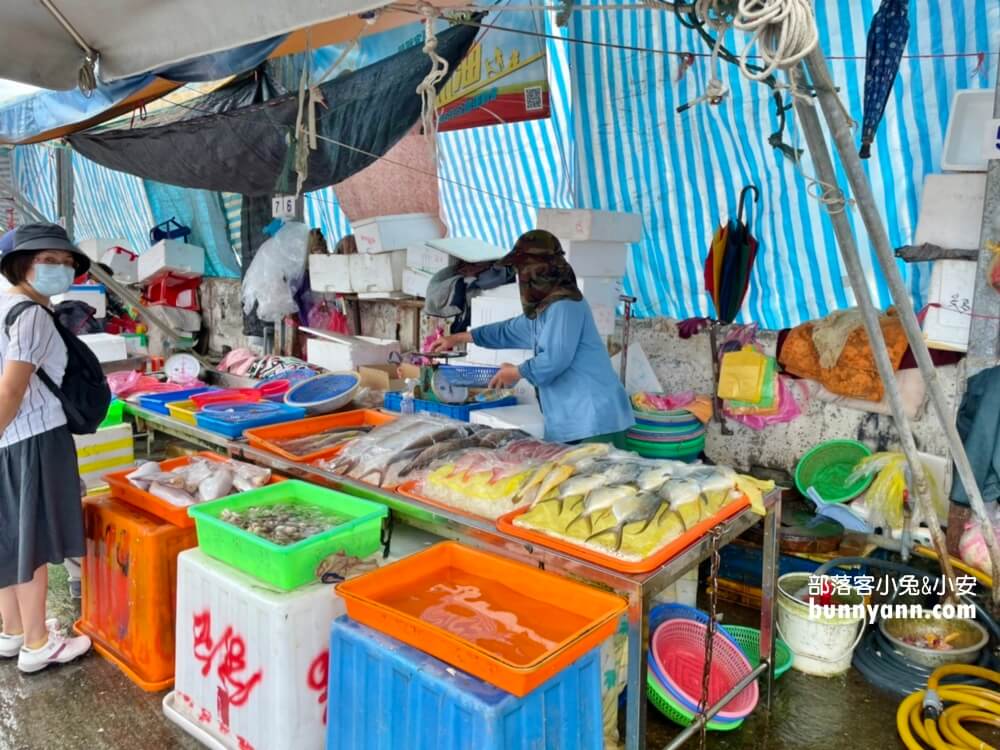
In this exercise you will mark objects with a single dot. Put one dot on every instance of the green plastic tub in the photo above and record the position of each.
(115, 415)
(288, 567)
(827, 467)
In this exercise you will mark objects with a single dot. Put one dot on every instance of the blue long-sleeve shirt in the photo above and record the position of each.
(581, 397)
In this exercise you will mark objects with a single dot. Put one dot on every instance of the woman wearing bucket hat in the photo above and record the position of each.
(580, 395)
(41, 521)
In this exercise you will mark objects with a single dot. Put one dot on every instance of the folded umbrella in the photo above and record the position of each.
(886, 42)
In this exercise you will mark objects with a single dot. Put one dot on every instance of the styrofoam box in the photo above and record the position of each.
(416, 282)
(107, 450)
(384, 234)
(486, 310)
(330, 273)
(527, 417)
(951, 210)
(605, 259)
(600, 290)
(970, 114)
(107, 347)
(124, 264)
(498, 356)
(174, 257)
(94, 295)
(590, 226)
(349, 354)
(952, 286)
(507, 291)
(273, 693)
(604, 318)
(96, 247)
(378, 273)
(424, 258)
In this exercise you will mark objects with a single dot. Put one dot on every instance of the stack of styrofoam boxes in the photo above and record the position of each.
(951, 211)
(108, 450)
(596, 244)
(493, 306)
(94, 295)
(337, 353)
(172, 263)
(377, 269)
(422, 262)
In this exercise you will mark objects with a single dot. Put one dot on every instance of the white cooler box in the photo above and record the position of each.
(416, 282)
(377, 273)
(483, 356)
(590, 226)
(427, 259)
(171, 257)
(109, 449)
(107, 347)
(252, 661)
(337, 353)
(384, 234)
(124, 264)
(330, 273)
(94, 295)
(96, 247)
(953, 284)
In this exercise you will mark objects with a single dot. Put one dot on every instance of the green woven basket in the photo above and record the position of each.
(749, 643)
(826, 468)
(676, 713)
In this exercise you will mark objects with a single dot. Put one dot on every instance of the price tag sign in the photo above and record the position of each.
(283, 207)
(991, 145)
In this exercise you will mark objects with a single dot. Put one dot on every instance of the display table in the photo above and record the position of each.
(638, 589)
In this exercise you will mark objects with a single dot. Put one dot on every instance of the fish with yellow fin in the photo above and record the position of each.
(640, 507)
(601, 500)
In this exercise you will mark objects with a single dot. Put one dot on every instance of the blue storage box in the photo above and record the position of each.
(462, 412)
(393, 697)
(158, 401)
(228, 419)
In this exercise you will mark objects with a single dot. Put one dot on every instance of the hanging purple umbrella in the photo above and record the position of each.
(886, 42)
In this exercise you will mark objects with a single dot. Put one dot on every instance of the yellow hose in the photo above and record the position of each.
(964, 704)
(982, 577)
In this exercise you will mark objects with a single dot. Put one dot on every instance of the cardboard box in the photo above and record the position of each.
(378, 273)
(171, 257)
(426, 258)
(330, 273)
(94, 295)
(109, 449)
(953, 284)
(96, 247)
(416, 282)
(386, 234)
(387, 377)
(590, 226)
(337, 353)
(107, 347)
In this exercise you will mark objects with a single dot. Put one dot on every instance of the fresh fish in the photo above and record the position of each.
(641, 507)
(321, 440)
(600, 500)
(530, 488)
(713, 481)
(556, 477)
(139, 477)
(218, 483)
(626, 472)
(196, 473)
(257, 476)
(366, 454)
(685, 497)
(173, 495)
(653, 478)
(380, 464)
(427, 456)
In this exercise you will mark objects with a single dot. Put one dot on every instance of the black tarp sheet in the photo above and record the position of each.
(244, 150)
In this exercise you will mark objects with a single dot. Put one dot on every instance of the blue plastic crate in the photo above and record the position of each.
(260, 414)
(157, 402)
(394, 402)
(471, 376)
(393, 697)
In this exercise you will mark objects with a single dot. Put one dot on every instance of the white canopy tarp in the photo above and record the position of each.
(140, 36)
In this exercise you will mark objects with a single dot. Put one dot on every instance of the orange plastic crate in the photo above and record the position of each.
(125, 491)
(130, 589)
(265, 438)
(575, 618)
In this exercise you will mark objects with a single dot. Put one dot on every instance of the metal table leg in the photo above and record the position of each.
(638, 636)
(769, 583)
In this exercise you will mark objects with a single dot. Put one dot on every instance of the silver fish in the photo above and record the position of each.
(641, 507)
(173, 495)
(653, 477)
(600, 500)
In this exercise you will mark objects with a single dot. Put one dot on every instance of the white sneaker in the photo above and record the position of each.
(58, 650)
(10, 645)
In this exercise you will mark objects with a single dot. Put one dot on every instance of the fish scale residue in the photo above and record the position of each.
(517, 629)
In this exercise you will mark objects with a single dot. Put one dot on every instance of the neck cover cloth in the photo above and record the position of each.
(543, 273)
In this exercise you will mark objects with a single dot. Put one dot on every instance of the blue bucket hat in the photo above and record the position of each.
(38, 237)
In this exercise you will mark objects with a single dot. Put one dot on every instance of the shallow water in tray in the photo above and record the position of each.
(494, 617)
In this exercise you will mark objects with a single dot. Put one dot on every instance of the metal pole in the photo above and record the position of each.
(64, 189)
(843, 137)
(626, 332)
(836, 204)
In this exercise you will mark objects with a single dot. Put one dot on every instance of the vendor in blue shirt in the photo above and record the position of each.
(580, 396)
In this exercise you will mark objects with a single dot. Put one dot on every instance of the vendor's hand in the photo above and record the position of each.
(507, 377)
(448, 343)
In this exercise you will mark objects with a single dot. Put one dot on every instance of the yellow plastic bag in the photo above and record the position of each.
(741, 377)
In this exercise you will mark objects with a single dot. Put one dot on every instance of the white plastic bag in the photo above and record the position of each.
(276, 273)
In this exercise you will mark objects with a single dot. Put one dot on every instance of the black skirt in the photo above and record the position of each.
(41, 518)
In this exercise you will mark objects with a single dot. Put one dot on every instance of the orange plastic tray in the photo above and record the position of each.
(129, 575)
(265, 438)
(681, 543)
(369, 598)
(125, 491)
(408, 490)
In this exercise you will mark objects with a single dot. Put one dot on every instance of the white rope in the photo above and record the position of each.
(785, 31)
(427, 88)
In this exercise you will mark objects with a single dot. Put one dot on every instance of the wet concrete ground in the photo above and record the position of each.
(90, 705)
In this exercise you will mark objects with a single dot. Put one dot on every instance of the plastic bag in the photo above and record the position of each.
(886, 495)
(790, 393)
(276, 273)
(972, 546)
(324, 318)
(741, 377)
(993, 273)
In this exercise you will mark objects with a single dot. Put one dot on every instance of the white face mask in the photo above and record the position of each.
(50, 280)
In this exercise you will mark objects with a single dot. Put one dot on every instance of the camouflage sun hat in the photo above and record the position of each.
(543, 274)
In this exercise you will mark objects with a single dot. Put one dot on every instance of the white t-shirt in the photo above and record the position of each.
(33, 339)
